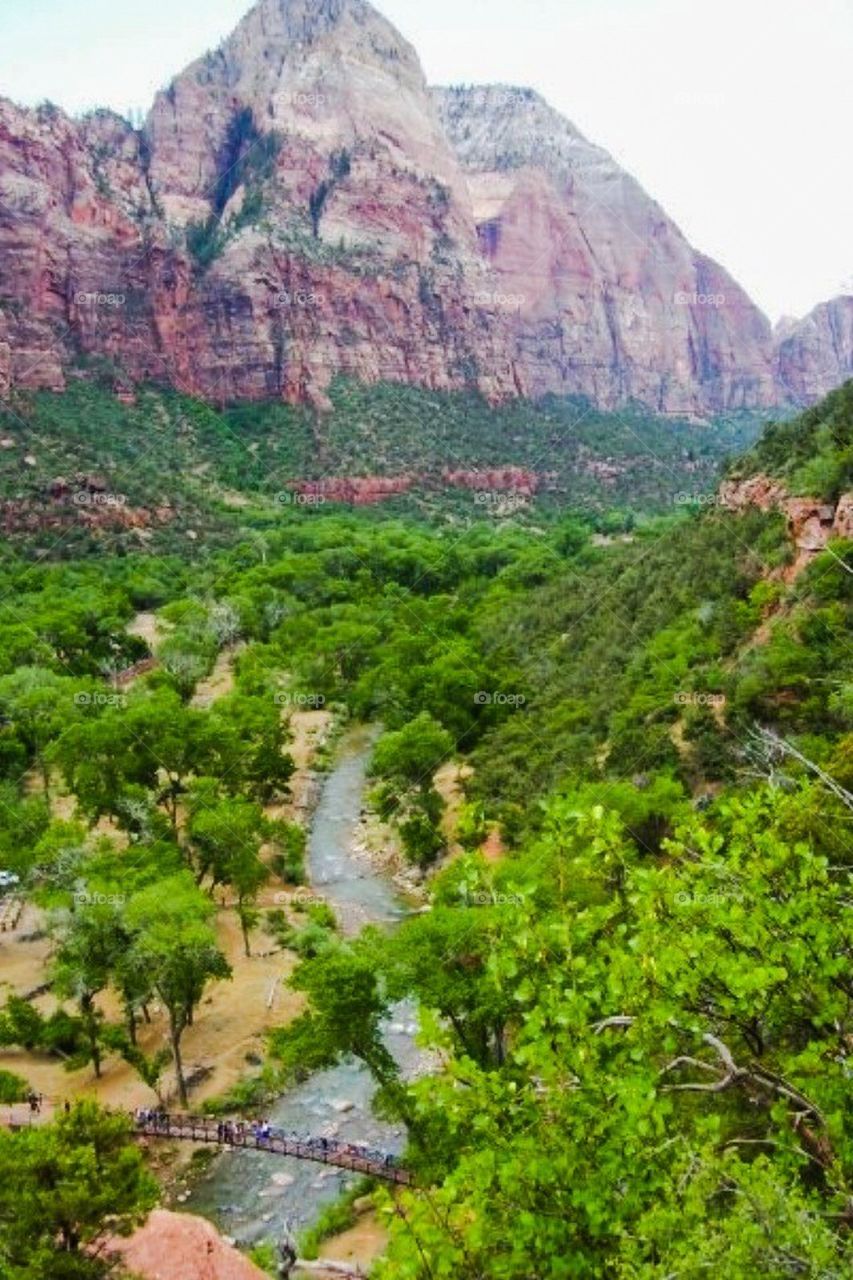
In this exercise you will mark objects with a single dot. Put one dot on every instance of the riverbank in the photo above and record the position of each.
(249, 1197)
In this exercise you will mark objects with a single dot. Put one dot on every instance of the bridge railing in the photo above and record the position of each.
(239, 1134)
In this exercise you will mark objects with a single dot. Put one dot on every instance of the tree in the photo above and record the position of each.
(65, 1188)
(672, 1094)
(13, 1088)
(228, 837)
(407, 758)
(174, 942)
(248, 737)
(39, 704)
(346, 1008)
(92, 940)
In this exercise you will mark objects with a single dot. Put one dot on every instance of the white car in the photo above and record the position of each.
(8, 880)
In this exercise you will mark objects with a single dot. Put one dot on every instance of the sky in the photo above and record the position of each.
(734, 114)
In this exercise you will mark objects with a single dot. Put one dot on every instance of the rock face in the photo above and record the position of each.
(608, 298)
(301, 205)
(815, 354)
(811, 522)
(181, 1246)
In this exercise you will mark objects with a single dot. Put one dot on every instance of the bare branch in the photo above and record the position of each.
(617, 1020)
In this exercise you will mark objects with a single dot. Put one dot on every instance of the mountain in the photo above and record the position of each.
(299, 204)
(613, 301)
(815, 354)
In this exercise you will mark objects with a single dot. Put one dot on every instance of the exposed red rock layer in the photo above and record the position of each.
(365, 490)
(181, 1246)
(360, 491)
(811, 522)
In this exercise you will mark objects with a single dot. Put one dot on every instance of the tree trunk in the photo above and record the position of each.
(90, 1022)
(130, 1019)
(175, 1038)
(244, 928)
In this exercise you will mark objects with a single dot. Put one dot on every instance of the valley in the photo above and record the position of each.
(426, 694)
(604, 704)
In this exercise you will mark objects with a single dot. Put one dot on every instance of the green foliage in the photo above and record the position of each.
(813, 453)
(640, 1003)
(65, 1187)
(13, 1088)
(247, 160)
(613, 1127)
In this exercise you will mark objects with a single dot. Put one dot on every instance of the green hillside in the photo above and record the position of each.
(168, 468)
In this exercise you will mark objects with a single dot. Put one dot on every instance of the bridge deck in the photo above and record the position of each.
(199, 1129)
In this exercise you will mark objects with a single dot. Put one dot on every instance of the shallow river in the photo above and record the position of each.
(249, 1194)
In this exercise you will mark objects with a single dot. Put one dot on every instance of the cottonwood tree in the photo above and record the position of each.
(406, 759)
(174, 941)
(227, 837)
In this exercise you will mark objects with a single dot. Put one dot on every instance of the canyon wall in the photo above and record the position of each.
(299, 205)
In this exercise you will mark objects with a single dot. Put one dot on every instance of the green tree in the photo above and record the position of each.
(407, 759)
(228, 837)
(174, 942)
(65, 1188)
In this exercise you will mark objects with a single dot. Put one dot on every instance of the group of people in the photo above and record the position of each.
(259, 1133)
(153, 1118)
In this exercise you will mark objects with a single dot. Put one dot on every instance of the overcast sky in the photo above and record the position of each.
(734, 114)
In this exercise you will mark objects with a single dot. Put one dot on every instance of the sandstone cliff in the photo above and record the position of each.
(300, 205)
(609, 297)
(815, 354)
(811, 522)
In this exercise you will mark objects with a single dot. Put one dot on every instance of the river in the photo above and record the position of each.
(251, 1195)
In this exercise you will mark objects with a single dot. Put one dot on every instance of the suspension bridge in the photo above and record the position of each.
(242, 1135)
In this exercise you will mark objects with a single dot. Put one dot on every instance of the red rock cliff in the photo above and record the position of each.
(299, 205)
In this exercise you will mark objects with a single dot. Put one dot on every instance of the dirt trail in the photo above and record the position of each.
(359, 1245)
(449, 781)
(221, 679)
(147, 627)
